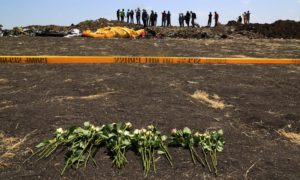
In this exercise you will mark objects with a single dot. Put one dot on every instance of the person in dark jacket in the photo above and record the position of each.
(187, 18)
(145, 18)
(163, 19)
(131, 16)
(128, 15)
(216, 19)
(240, 20)
(138, 16)
(209, 19)
(181, 20)
(194, 16)
(169, 19)
(155, 18)
(152, 18)
(118, 14)
(248, 17)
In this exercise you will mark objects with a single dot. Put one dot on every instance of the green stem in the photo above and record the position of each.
(66, 166)
(53, 149)
(84, 149)
(213, 162)
(153, 160)
(143, 153)
(148, 156)
(192, 154)
(167, 155)
(198, 158)
(205, 156)
(89, 156)
(42, 152)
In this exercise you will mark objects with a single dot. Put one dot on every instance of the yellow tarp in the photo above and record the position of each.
(114, 32)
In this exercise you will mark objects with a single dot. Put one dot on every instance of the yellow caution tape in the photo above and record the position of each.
(140, 60)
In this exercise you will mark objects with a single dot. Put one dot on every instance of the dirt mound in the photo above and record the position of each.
(279, 29)
(54, 28)
(84, 25)
(220, 32)
(100, 23)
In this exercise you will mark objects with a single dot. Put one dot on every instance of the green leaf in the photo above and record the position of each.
(160, 152)
(126, 142)
(187, 130)
(40, 145)
(82, 144)
(220, 149)
(71, 137)
(86, 132)
(164, 138)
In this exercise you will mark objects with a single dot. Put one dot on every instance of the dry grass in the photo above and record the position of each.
(90, 97)
(9, 147)
(293, 137)
(213, 101)
(6, 107)
(3, 81)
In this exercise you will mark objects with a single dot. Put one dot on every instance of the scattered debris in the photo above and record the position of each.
(114, 32)
(90, 97)
(73, 33)
(213, 101)
(279, 29)
(293, 137)
(9, 146)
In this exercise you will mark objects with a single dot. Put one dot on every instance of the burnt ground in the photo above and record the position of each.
(238, 47)
(259, 99)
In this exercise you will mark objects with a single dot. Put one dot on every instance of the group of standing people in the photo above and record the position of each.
(129, 15)
(147, 19)
(246, 18)
(216, 18)
(187, 18)
(165, 19)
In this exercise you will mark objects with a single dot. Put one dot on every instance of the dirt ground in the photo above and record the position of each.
(259, 101)
(243, 47)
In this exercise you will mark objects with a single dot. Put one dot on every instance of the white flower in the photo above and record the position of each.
(86, 124)
(143, 130)
(174, 131)
(93, 127)
(148, 133)
(197, 134)
(164, 138)
(150, 127)
(97, 129)
(136, 131)
(206, 135)
(126, 133)
(128, 125)
(60, 130)
(120, 132)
